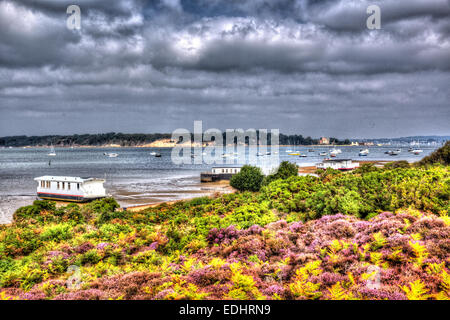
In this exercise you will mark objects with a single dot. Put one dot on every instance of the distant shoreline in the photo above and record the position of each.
(167, 146)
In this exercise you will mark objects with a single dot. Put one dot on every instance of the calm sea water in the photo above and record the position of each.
(134, 177)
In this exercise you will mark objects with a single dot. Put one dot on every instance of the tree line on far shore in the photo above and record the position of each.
(130, 140)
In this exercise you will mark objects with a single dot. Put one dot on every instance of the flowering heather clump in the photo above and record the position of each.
(225, 235)
(83, 247)
(243, 245)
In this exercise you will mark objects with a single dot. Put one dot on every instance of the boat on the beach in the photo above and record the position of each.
(219, 173)
(74, 189)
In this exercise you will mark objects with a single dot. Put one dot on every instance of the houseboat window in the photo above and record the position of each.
(48, 184)
(78, 186)
(57, 185)
(68, 185)
(63, 185)
(223, 170)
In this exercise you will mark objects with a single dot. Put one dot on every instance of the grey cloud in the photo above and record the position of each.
(302, 66)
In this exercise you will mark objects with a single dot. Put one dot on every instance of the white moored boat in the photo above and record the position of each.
(363, 152)
(336, 151)
(52, 152)
(74, 189)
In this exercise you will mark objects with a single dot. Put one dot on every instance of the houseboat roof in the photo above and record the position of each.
(336, 160)
(67, 179)
(227, 166)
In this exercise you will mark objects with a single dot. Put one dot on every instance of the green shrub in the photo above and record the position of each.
(57, 233)
(397, 164)
(441, 156)
(90, 257)
(248, 179)
(284, 171)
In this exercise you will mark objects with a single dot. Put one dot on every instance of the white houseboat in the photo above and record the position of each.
(338, 164)
(74, 189)
(219, 173)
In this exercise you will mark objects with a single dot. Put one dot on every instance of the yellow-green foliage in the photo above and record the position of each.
(338, 292)
(378, 241)
(419, 251)
(416, 290)
(301, 287)
(244, 286)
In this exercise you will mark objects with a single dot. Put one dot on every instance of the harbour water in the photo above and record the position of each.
(136, 177)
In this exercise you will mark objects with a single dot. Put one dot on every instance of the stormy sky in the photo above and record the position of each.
(302, 66)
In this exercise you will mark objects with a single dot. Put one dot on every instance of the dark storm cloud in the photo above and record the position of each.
(301, 66)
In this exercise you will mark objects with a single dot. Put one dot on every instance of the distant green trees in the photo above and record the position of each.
(129, 140)
(125, 140)
(250, 178)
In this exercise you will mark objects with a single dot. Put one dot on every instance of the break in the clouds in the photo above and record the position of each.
(303, 66)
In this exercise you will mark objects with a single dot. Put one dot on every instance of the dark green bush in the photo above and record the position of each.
(441, 156)
(397, 164)
(248, 179)
(284, 171)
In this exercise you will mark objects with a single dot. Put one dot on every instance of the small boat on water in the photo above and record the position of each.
(417, 151)
(394, 152)
(157, 155)
(52, 152)
(311, 150)
(336, 151)
(323, 154)
(303, 156)
(153, 153)
(294, 154)
(112, 155)
(363, 152)
(74, 189)
(289, 151)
